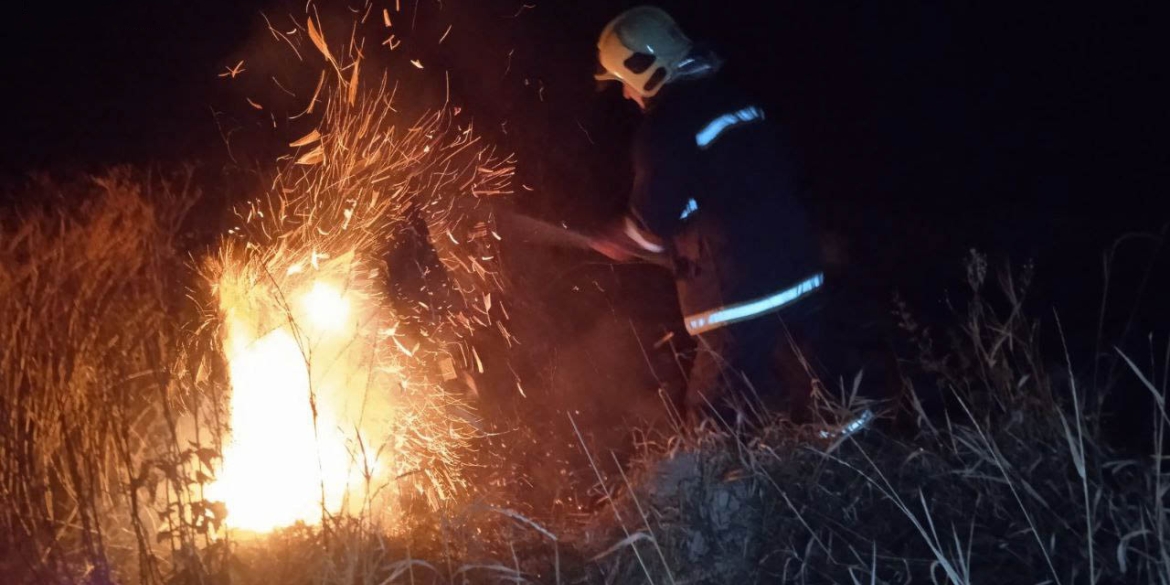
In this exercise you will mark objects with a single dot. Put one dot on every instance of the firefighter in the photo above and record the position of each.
(717, 191)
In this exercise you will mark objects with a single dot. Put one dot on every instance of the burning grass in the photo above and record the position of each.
(312, 278)
(995, 474)
(297, 384)
(347, 297)
(144, 430)
(998, 474)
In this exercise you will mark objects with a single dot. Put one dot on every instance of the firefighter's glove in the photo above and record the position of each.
(625, 240)
(612, 242)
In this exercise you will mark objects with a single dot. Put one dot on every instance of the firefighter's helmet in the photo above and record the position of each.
(642, 48)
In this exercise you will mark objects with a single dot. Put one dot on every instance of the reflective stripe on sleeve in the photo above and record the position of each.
(728, 314)
(719, 125)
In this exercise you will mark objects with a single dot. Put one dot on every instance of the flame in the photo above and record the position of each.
(322, 414)
(280, 466)
(326, 307)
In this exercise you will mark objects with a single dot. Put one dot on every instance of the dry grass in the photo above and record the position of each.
(113, 391)
(97, 389)
(1002, 477)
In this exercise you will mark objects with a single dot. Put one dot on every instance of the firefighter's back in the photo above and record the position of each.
(743, 223)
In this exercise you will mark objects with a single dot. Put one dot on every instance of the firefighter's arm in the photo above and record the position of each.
(626, 239)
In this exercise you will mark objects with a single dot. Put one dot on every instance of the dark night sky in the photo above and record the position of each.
(928, 127)
(1022, 105)
(111, 82)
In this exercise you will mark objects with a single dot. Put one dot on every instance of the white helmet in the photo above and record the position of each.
(642, 48)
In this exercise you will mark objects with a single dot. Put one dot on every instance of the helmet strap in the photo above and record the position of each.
(700, 63)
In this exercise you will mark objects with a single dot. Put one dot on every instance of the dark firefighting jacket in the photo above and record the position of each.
(717, 183)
